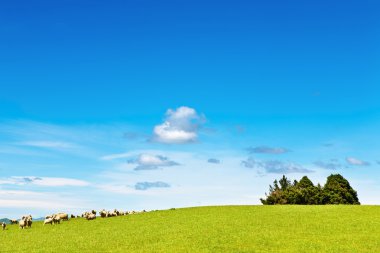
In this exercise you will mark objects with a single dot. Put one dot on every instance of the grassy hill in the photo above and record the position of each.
(210, 229)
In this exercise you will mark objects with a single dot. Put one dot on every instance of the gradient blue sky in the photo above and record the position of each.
(243, 91)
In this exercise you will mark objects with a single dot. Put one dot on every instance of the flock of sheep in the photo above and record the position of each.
(26, 221)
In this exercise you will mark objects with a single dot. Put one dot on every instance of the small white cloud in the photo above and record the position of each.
(152, 162)
(356, 162)
(43, 181)
(180, 126)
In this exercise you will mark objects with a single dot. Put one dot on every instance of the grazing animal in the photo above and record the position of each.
(93, 212)
(72, 216)
(91, 217)
(29, 222)
(63, 216)
(14, 221)
(3, 225)
(56, 219)
(26, 221)
(103, 213)
(48, 221)
(23, 223)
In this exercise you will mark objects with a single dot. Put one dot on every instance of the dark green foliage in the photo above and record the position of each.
(337, 190)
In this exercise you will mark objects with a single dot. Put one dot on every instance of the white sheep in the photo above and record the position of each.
(48, 221)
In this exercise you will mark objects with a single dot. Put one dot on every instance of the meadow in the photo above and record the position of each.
(333, 228)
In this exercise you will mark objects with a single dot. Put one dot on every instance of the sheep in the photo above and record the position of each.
(63, 216)
(14, 221)
(48, 221)
(56, 219)
(72, 216)
(103, 213)
(91, 217)
(23, 223)
(29, 222)
(27, 216)
(93, 212)
(3, 225)
(85, 214)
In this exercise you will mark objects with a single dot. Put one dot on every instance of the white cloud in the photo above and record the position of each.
(43, 181)
(180, 126)
(356, 162)
(151, 162)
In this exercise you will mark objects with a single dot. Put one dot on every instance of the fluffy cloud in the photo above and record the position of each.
(213, 160)
(356, 162)
(143, 186)
(43, 181)
(267, 150)
(180, 126)
(331, 165)
(152, 162)
(275, 166)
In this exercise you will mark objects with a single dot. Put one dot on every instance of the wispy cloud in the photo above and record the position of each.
(356, 162)
(43, 181)
(275, 166)
(48, 144)
(267, 150)
(115, 156)
(180, 126)
(331, 165)
(20, 201)
(213, 160)
(143, 186)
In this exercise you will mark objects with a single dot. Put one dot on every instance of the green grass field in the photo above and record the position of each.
(340, 229)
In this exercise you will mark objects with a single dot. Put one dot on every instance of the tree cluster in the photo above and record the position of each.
(337, 190)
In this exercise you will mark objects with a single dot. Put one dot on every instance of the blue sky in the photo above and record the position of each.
(149, 105)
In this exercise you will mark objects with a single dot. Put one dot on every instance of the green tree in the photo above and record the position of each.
(338, 190)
